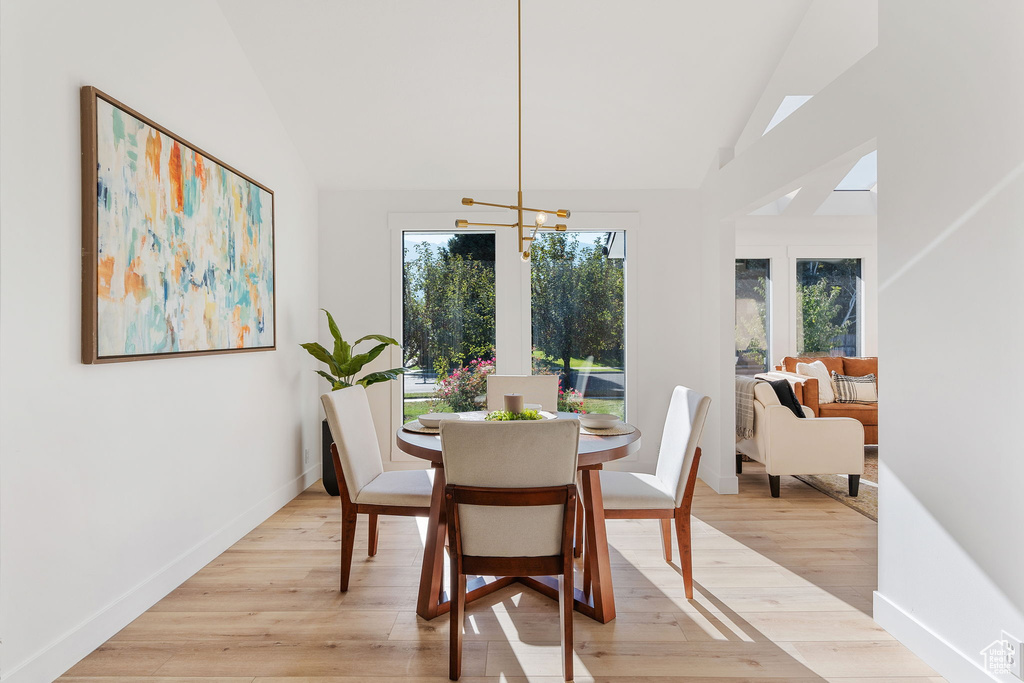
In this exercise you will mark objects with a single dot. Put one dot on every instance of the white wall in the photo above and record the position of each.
(357, 257)
(950, 244)
(118, 481)
(784, 239)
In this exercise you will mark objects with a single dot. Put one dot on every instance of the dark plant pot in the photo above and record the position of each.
(330, 479)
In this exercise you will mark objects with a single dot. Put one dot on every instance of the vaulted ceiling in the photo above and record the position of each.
(408, 94)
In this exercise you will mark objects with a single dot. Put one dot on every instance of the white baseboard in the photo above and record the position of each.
(936, 652)
(56, 658)
(726, 485)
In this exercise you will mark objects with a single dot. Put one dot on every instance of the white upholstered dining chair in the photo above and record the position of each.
(539, 389)
(511, 502)
(668, 493)
(363, 484)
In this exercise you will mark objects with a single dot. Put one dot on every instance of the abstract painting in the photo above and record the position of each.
(178, 247)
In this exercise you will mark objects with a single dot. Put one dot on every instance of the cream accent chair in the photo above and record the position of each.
(668, 493)
(363, 485)
(787, 444)
(511, 502)
(542, 389)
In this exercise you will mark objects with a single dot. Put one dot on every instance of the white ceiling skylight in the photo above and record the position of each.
(790, 103)
(863, 176)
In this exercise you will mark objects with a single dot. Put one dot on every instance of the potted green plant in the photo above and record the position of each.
(342, 366)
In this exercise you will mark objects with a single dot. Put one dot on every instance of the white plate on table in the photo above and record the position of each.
(433, 420)
(598, 420)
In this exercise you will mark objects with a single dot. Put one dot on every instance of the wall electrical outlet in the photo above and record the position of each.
(1015, 659)
(306, 456)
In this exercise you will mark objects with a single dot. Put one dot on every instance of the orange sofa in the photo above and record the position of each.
(807, 394)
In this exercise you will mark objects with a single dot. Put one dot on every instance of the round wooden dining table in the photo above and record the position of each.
(596, 599)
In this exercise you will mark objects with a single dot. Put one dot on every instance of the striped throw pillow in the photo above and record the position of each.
(851, 389)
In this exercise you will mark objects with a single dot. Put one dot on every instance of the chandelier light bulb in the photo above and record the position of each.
(541, 218)
(525, 256)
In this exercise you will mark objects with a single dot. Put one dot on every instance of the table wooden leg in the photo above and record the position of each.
(577, 550)
(599, 600)
(432, 572)
(596, 556)
(586, 578)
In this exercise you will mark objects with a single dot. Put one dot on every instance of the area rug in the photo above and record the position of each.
(837, 485)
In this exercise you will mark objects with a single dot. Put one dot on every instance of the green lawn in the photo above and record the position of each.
(414, 409)
(419, 394)
(574, 363)
(614, 406)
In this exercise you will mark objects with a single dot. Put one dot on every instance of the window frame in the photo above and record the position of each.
(513, 312)
(867, 335)
(782, 300)
(769, 312)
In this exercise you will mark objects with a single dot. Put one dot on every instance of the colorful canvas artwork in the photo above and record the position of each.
(182, 246)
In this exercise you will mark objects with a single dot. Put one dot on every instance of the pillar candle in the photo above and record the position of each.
(514, 403)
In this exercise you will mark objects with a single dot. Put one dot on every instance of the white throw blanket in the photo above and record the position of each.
(745, 407)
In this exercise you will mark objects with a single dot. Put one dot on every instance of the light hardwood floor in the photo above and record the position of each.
(782, 592)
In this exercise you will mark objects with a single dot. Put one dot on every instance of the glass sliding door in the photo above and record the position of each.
(828, 303)
(577, 282)
(753, 279)
(448, 328)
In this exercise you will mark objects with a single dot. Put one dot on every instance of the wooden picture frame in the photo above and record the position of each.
(178, 258)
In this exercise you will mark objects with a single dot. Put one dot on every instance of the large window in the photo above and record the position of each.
(465, 305)
(448, 307)
(577, 282)
(828, 302)
(753, 278)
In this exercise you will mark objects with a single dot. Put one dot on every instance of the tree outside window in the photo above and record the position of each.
(828, 307)
(578, 319)
(578, 302)
(752, 277)
(448, 307)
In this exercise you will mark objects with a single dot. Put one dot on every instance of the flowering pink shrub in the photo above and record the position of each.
(569, 401)
(460, 388)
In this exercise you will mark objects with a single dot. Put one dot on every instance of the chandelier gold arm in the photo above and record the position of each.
(465, 224)
(560, 227)
(561, 213)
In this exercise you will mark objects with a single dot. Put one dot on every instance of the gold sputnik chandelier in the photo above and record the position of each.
(540, 215)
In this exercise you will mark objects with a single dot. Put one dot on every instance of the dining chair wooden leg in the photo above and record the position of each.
(586, 575)
(685, 551)
(348, 542)
(457, 616)
(578, 548)
(666, 538)
(565, 609)
(371, 546)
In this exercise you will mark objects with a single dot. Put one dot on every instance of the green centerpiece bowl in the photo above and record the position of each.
(506, 416)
